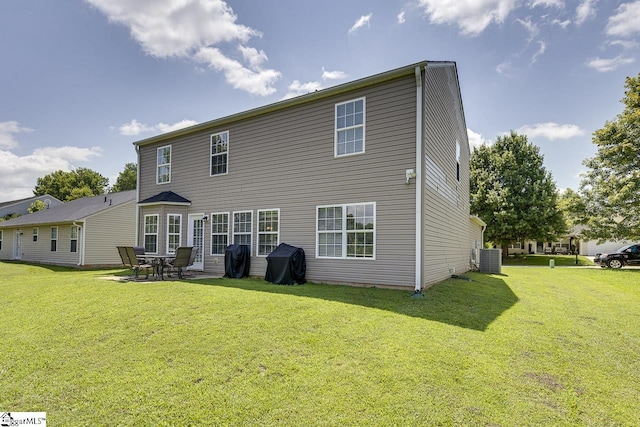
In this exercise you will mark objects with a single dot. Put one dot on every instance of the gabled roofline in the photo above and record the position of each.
(303, 99)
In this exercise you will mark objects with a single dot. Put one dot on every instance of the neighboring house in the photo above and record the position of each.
(370, 178)
(82, 232)
(21, 207)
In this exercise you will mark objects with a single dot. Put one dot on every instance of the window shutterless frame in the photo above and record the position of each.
(219, 232)
(174, 232)
(243, 229)
(163, 165)
(268, 231)
(151, 233)
(346, 231)
(350, 119)
(219, 151)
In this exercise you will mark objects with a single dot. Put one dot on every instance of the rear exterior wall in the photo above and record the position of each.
(285, 160)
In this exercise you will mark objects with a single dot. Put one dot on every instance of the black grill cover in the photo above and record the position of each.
(286, 265)
(237, 261)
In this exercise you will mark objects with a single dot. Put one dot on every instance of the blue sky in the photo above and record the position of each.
(80, 80)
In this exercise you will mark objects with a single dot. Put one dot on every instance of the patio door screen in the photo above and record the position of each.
(196, 239)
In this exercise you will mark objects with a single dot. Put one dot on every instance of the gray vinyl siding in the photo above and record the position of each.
(447, 243)
(285, 160)
(106, 230)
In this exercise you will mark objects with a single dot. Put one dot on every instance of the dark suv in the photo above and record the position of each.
(629, 254)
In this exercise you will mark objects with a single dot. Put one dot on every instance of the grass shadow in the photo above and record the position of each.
(472, 304)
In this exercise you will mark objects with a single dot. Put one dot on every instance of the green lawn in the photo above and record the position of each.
(530, 347)
(543, 260)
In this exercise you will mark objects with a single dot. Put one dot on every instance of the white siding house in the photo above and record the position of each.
(82, 232)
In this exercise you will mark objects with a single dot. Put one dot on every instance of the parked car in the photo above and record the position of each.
(626, 255)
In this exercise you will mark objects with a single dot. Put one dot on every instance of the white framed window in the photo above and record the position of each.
(219, 232)
(1, 236)
(35, 232)
(219, 153)
(174, 232)
(54, 239)
(350, 127)
(73, 239)
(268, 231)
(346, 231)
(163, 174)
(151, 234)
(242, 228)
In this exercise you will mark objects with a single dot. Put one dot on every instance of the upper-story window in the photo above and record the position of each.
(219, 153)
(350, 119)
(163, 174)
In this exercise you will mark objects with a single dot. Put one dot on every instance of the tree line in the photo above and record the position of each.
(84, 182)
(516, 196)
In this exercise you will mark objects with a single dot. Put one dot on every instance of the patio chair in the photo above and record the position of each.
(137, 265)
(185, 255)
(139, 250)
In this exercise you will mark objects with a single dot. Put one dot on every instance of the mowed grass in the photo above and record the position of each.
(530, 347)
(543, 260)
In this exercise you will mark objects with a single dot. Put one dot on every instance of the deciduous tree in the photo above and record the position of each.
(513, 192)
(610, 189)
(127, 179)
(72, 185)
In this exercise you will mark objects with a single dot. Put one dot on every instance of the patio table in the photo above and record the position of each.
(159, 262)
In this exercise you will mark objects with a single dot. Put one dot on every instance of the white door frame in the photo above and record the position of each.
(196, 223)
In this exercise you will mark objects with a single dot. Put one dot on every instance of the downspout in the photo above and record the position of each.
(137, 196)
(419, 184)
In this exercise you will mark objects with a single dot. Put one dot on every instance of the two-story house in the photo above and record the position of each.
(370, 178)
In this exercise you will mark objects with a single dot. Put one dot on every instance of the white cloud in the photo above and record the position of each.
(551, 130)
(585, 10)
(604, 65)
(530, 27)
(547, 3)
(135, 128)
(333, 75)
(7, 129)
(625, 44)
(190, 29)
(476, 139)
(562, 24)
(401, 18)
(255, 81)
(504, 68)
(19, 174)
(297, 88)
(473, 17)
(540, 52)
(626, 21)
(361, 22)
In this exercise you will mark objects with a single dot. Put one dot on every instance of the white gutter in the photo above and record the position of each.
(419, 181)
(137, 196)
